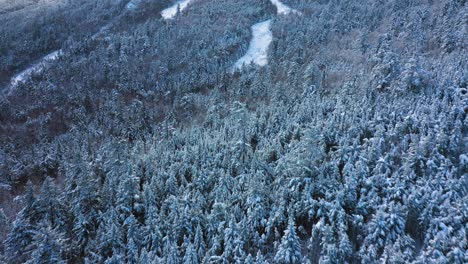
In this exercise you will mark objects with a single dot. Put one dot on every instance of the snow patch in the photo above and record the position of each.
(283, 9)
(35, 68)
(171, 12)
(258, 48)
(39, 66)
(132, 4)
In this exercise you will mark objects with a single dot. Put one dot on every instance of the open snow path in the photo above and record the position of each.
(36, 67)
(283, 9)
(261, 39)
(171, 11)
(44, 61)
(258, 47)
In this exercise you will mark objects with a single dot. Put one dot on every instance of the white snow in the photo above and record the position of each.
(283, 9)
(171, 12)
(37, 67)
(261, 39)
(132, 5)
(258, 48)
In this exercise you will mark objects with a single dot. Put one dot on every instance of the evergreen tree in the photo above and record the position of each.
(47, 246)
(132, 252)
(199, 242)
(23, 229)
(289, 250)
(190, 256)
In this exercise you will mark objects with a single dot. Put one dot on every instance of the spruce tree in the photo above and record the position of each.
(289, 251)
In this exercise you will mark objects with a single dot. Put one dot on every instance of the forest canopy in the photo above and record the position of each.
(140, 144)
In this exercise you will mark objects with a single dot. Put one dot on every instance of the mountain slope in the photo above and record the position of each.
(142, 145)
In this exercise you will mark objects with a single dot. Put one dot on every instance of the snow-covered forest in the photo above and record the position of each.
(156, 136)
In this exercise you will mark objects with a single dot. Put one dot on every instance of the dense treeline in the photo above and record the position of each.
(32, 29)
(141, 63)
(348, 147)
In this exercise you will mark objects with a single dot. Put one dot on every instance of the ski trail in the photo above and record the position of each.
(258, 47)
(261, 39)
(283, 9)
(35, 68)
(39, 65)
(171, 11)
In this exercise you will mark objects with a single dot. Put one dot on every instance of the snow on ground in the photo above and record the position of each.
(36, 67)
(283, 9)
(261, 39)
(132, 4)
(170, 12)
(258, 48)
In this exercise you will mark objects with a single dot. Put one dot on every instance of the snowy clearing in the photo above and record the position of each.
(171, 12)
(38, 66)
(258, 47)
(283, 9)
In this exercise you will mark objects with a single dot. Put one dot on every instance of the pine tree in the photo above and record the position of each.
(144, 257)
(199, 242)
(153, 236)
(126, 196)
(231, 234)
(49, 205)
(132, 252)
(170, 251)
(259, 259)
(190, 256)
(23, 229)
(4, 221)
(289, 251)
(47, 246)
(110, 236)
(115, 259)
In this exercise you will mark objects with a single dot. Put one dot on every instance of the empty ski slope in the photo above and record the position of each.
(283, 9)
(171, 11)
(49, 58)
(261, 39)
(258, 48)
